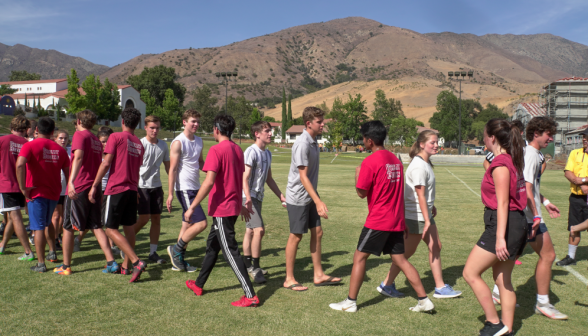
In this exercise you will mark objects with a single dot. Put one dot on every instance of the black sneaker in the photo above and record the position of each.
(566, 261)
(39, 268)
(156, 258)
(491, 329)
(258, 278)
(51, 256)
(177, 259)
(57, 245)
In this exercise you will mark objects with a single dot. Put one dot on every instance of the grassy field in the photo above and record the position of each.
(91, 303)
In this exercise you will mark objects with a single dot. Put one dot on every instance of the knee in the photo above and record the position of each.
(548, 257)
(318, 233)
(295, 238)
(468, 276)
(259, 232)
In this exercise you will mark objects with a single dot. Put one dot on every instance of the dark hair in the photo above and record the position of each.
(259, 126)
(20, 124)
(106, 130)
(46, 126)
(540, 125)
(87, 118)
(375, 131)
(103, 134)
(131, 117)
(311, 112)
(423, 137)
(508, 137)
(225, 124)
(191, 114)
(518, 124)
(32, 127)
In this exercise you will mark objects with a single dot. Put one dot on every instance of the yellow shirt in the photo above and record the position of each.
(577, 164)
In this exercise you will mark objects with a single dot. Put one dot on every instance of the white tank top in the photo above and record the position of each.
(188, 166)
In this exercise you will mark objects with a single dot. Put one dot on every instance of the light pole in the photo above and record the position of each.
(462, 74)
(225, 78)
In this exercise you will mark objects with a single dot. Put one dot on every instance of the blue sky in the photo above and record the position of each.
(111, 32)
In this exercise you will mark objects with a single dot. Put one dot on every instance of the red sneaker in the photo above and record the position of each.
(125, 271)
(137, 270)
(517, 262)
(192, 285)
(246, 302)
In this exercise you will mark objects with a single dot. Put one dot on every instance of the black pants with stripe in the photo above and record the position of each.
(222, 237)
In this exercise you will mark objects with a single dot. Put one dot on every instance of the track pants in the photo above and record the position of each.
(222, 237)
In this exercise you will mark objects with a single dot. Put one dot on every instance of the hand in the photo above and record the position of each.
(187, 215)
(92, 194)
(170, 199)
(584, 188)
(553, 210)
(72, 191)
(501, 250)
(27, 193)
(245, 214)
(426, 228)
(322, 210)
(249, 205)
(534, 228)
(434, 211)
(283, 200)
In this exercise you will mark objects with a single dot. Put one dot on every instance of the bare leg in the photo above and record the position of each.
(141, 222)
(82, 235)
(412, 275)
(67, 243)
(410, 246)
(155, 229)
(256, 242)
(191, 232)
(357, 273)
(50, 235)
(8, 230)
(434, 243)
(122, 242)
(130, 237)
(185, 226)
(57, 219)
(21, 232)
(103, 241)
(544, 248)
(291, 249)
(247, 242)
(502, 272)
(40, 245)
(316, 235)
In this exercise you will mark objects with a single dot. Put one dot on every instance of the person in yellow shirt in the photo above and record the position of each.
(576, 171)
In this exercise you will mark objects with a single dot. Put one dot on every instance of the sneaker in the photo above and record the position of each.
(125, 271)
(51, 256)
(425, 305)
(76, 245)
(189, 269)
(246, 302)
(2, 250)
(111, 269)
(137, 270)
(122, 255)
(491, 329)
(58, 245)
(446, 292)
(258, 278)
(192, 285)
(177, 258)
(32, 241)
(156, 258)
(549, 310)
(27, 257)
(62, 271)
(115, 250)
(518, 262)
(566, 261)
(345, 305)
(389, 291)
(39, 268)
(496, 299)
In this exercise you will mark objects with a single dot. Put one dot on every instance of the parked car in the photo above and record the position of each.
(479, 150)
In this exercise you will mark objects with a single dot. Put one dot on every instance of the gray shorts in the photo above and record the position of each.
(303, 217)
(416, 226)
(255, 221)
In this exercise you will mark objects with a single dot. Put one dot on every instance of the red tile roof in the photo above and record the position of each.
(37, 81)
(296, 129)
(275, 124)
(534, 109)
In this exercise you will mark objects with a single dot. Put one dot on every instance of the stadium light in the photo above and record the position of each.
(457, 74)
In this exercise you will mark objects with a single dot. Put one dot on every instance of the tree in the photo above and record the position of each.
(386, 110)
(268, 119)
(354, 114)
(170, 112)
(284, 114)
(6, 89)
(403, 130)
(157, 81)
(241, 109)
(290, 110)
(109, 98)
(57, 109)
(23, 75)
(205, 103)
(75, 101)
(255, 117)
(445, 120)
(150, 105)
(323, 106)
(491, 111)
(93, 88)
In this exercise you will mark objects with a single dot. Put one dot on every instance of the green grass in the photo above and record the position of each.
(89, 302)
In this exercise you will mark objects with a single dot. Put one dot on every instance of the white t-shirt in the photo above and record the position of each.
(105, 178)
(154, 155)
(532, 174)
(188, 166)
(418, 173)
(63, 179)
(260, 163)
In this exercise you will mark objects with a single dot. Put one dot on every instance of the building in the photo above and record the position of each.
(295, 131)
(574, 139)
(527, 111)
(566, 101)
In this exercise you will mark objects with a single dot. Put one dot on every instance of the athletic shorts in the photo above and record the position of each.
(578, 212)
(541, 230)
(416, 226)
(377, 242)
(61, 200)
(150, 201)
(303, 217)
(516, 233)
(40, 212)
(12, 201)
(255, 221)
(186, 197)
(120, 209)
(81, 214)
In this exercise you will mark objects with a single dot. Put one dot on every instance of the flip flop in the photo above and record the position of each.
(296, 285)
(328, 282)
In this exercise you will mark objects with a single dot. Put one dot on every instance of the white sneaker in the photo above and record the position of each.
(423, 306)
(345, 305)
(549, 310)
(496, 299)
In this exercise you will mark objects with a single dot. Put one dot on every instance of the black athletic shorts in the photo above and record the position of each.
(303, 217)
(578, 212)
(12, 201)
(61, 200)
(541, 230)
(81, 214)
(120, 209)
(377, 242)
(516, 233)
(150, 201)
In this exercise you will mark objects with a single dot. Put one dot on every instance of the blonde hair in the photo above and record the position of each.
(423, 137)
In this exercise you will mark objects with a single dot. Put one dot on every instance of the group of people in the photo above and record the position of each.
(109, 178)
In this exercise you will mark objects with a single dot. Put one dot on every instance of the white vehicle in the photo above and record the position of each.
(479, 150)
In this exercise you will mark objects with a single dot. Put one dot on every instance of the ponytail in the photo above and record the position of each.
(509, 138)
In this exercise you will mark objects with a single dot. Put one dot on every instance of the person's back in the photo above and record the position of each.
(127, 152)
(226, 159)
(92, 147)
(45, 160)
(10, 146)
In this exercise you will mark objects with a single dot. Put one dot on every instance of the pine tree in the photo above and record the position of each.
(284, 114)
(290, 120)
(75, 101)
(26, 101)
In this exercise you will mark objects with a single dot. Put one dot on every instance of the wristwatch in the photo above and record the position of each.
(583, 180)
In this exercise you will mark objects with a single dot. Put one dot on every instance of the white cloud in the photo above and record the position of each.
(24, 12)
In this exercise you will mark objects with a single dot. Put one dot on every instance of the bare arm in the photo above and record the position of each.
(166, 166)
(274, 186)
(501, 177)
(104, 167)
(21, 176)
(246, 175)
(205, 188)
(76, 165)
(201, 161)
(175, 152)
(362, 193)
(321, 207)
(573, 178)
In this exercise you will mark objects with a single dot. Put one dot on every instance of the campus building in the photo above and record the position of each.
(527, 111)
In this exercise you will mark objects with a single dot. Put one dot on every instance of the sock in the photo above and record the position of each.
(350, 299)
(423, 298)
(572, 251)
(65, 266)
(76, 238)
(496, 289)
(152, 248)
(543, 299)
(439, 288)
(181, 245)
(40, 264)
(109, 263)
(136, 262)
(247, 261)
(255, 262)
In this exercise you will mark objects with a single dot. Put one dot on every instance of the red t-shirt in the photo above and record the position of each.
(517, 190)
(45, 160)
(226, 159)
(92, 147)
(10, 146)
(381, 174)
(127, 157)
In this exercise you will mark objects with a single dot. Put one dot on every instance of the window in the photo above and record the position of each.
(292, 136)
(319, 137)
(129, 103)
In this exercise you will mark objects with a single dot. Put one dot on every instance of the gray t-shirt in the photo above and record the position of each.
(305, 152)
(532, 174)
(418, 173)
(260, 163)
(154, 155)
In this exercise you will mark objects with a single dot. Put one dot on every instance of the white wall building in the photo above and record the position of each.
(37, 87)
(295, 132)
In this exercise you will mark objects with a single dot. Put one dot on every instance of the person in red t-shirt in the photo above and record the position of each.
(80, 213)
(11, 199)
(224, 167)
(380, 179)
(38, 171)
(505, 197)
(124, 156)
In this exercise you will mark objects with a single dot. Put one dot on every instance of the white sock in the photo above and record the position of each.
(543, 299)
(152, 248)
(496, 289)
(572, 251)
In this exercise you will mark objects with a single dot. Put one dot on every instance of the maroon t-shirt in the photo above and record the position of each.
(10, 146)
(92, 147)
(127, 157)
(381, 174)
(517, 193)
(226, 159)
(45, 160)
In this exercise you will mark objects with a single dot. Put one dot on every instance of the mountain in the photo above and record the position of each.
(49, 63)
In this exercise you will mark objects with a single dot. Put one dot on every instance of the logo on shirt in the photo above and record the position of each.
(96, 145)
(393, 171)
(51, 155)
(133, 148)
(15, 148)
